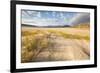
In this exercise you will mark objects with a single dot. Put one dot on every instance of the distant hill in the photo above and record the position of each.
(45, 26)
(83, 25)
(28, 25)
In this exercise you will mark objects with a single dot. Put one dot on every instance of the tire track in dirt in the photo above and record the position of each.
(65, 49)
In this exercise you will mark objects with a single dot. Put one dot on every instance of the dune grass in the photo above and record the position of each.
(69, 36)
(34, 41)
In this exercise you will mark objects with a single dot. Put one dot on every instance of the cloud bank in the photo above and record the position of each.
(52, 18)
(80, 18)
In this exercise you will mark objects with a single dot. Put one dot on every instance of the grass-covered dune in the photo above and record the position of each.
(54, 44)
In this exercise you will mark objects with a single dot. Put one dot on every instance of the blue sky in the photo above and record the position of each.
(52, 18)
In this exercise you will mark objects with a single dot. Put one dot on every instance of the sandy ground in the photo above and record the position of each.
(65, 49)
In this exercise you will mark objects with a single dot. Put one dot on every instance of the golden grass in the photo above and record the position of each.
(35, 40)
(69, 36)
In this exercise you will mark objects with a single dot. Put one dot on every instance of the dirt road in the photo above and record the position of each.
(65, 49)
